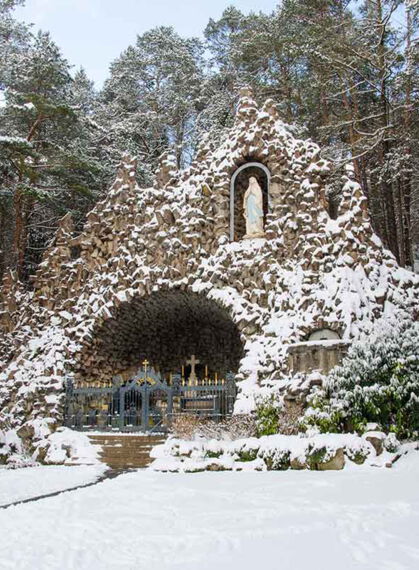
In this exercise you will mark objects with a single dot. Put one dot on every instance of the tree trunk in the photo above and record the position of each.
(406, 182)
(386, 186)
(19, 232)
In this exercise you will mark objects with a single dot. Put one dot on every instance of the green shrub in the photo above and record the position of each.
(277, 459)
(213, 454)
(315, 456)
(268, 415)
(359, 456)
(248, 454)
(391, 444)
(377, 382)
(321, 415)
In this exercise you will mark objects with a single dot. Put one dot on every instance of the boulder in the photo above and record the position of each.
(376, 439)
(336, 463)
(298, 463)
(26, 432)
(217, 467)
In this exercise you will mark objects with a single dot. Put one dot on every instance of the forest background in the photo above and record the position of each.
(344, 73)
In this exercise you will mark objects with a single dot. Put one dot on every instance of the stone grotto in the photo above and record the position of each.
(231, 275)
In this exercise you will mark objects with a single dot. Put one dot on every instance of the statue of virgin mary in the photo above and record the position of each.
(253, 209)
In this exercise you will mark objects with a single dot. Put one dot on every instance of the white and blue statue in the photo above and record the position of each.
(253, 209)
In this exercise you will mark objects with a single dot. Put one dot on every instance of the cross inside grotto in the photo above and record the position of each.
(159, 357)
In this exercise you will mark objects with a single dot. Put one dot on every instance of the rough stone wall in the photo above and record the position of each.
(310, 272)
(322, 356)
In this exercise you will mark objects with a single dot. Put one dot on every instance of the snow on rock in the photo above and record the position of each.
(310, 272)
(70, 447)
(276, 452)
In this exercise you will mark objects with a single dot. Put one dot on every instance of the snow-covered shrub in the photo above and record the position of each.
(358, 456)
(276, 459)
(248, 455)
(10, 444)
(391, 443)
(273, 453)
(316, 455)
(321, 415)
(236, 427)
(274, 416)
(69, 447)
(210, 454)
(243, 450)
(186, 427)
(13, 452)
(377, 382)
(268, 411)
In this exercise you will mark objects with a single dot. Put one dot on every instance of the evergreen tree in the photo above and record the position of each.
(46, 157)
(83, 94)
(14, 37)
(150, 100)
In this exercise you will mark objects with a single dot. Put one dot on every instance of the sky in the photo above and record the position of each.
(92, 33)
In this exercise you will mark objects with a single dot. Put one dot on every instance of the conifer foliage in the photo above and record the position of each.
(152, 95)
(377, 382)
(49, 150)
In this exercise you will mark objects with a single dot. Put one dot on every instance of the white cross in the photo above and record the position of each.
(193, 362)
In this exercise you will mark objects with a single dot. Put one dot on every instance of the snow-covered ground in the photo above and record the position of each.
(21, 484)
(359, 518)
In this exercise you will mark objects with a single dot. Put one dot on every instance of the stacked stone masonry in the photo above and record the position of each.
(154, 264)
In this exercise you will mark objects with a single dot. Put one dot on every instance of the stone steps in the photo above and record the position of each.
(126, 451)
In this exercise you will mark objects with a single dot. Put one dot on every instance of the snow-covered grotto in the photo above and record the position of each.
(198, 293)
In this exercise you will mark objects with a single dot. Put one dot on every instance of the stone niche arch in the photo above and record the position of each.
(238, 186)
(166, 328)
(323, 334)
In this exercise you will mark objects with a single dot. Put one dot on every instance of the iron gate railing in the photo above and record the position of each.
(146, 402)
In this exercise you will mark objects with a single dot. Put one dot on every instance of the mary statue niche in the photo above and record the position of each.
(253, 209)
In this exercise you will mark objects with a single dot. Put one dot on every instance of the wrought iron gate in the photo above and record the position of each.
(145, 402)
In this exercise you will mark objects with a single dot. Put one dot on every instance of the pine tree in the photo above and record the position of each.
(150, 100)
(14, 38)
(46, 153)
(83, 94)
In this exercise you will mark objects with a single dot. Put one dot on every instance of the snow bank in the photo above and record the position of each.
(69, 447)
(275, 452)
(64, 446)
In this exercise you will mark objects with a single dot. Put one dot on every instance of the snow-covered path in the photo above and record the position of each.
(360, 518)
(22, 484)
